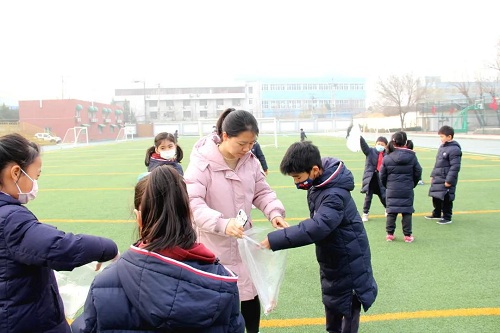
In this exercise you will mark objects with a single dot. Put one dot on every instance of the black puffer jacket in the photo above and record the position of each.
(342, 247)
(370, 167)
(400, 173)
(448, 162)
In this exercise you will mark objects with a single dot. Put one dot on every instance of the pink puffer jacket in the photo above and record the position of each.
(217, 193)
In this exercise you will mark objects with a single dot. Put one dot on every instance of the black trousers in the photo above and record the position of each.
(338, 323)
(445, 206)
(250, 310)
(373, 188)
(390, 225)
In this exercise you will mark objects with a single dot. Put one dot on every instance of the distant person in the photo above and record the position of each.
(371, 177)
(400, 173)
(165, 151)
(166, 281)
(30, 251)
(303, 135)
(336, 229)
(444, 176)
(176, 135)
(222, 177)
(257, 151)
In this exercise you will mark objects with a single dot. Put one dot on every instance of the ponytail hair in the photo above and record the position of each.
(399, 139)
(234, 122)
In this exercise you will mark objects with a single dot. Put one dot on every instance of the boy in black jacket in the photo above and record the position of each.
(335, 227)
(444, 176)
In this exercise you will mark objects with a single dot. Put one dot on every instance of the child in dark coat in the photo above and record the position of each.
(444, 176)
(165, 151)
(400, 174)
(335, 227)
(371, 181)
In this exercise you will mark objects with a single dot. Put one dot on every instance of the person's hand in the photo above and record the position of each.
(266, 172)
(265, 244)
(432, 179)
(99, 264)
(279, 222)
(233, 229)
(447, 184)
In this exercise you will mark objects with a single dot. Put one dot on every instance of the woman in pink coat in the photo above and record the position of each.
(222, 177)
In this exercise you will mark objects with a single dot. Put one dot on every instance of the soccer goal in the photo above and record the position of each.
(268, 127)
(126, 133)
(76, 135)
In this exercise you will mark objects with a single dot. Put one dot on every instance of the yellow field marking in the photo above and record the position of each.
(473, 312)
(89, 174)
(88, 189)
(85, 221)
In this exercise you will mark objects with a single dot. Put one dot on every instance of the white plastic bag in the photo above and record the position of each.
(353, 140)
(74, 286)
(267, 268)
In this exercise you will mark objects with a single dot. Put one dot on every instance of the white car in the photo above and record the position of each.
(48, 137)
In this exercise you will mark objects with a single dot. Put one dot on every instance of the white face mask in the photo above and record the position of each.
(379, 148)
(31, 195)
(168, 154)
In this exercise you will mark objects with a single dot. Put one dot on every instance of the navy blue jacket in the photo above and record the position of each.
(153, 163)
(257, 151)
(147, 292)
(400, 173)
(446, 168)
(342, 247)
(370, 167)
(29, 251)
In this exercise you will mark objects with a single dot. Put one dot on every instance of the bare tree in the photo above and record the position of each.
(496, 63)
(465, 88)
(402, 92)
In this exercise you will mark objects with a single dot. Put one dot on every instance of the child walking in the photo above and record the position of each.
(166, 281)
(444, 176)
(371, 181)
(165, 151)
(400, 174)
(335, 227)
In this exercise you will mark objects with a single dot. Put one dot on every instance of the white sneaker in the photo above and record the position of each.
(364, 218)
(385, 213)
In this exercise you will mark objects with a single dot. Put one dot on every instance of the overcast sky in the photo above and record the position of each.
(97, 46)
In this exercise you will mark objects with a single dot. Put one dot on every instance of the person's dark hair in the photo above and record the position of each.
(179, 154)
(14, 148)
(166, 215)
(382, 139)
(139, 189)
(234, 122)
(409, 144)
(300, 157)
(399, 139)
(447, 130)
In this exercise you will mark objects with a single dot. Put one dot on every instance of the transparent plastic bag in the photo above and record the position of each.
(353, 140)
(74, 286)
(267, 268)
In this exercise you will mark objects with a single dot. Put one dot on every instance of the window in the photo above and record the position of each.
(153, 104)
(170, 103)
(169, 114)
(203, 102)
(220, 102)
(265, 87)
(250, 90)
(153, 115)
(265, 104)
(236, 102)
(186, 114)
(203, 114)
(250, 101)
(186, 102)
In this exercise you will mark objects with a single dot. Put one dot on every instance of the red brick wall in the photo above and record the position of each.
(60, 115)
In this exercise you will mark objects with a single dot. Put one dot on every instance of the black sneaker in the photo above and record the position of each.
(431, 217)
(443, 221)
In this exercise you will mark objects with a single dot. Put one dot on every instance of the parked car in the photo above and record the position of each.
(47, 137)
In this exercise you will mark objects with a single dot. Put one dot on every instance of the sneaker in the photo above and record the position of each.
(420, 182)
(390, 238)
(443, 221)
(409, 239)
(385, 213)
(431, 217)
(364, 218)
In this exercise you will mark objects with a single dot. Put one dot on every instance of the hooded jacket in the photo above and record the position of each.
(29, 252)
(370, 167)
(342, 247)
(446, 168)
(156, 160)
(217, 193)
(400, 173)
(149, 292)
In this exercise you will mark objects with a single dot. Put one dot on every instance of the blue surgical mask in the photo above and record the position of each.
(304, 185)
(379, 148)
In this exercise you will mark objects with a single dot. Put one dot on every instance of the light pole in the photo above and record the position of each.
(144, 94)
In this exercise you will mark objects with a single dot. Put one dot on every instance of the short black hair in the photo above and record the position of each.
(300, 157)
(447, 130)
(382, 139)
